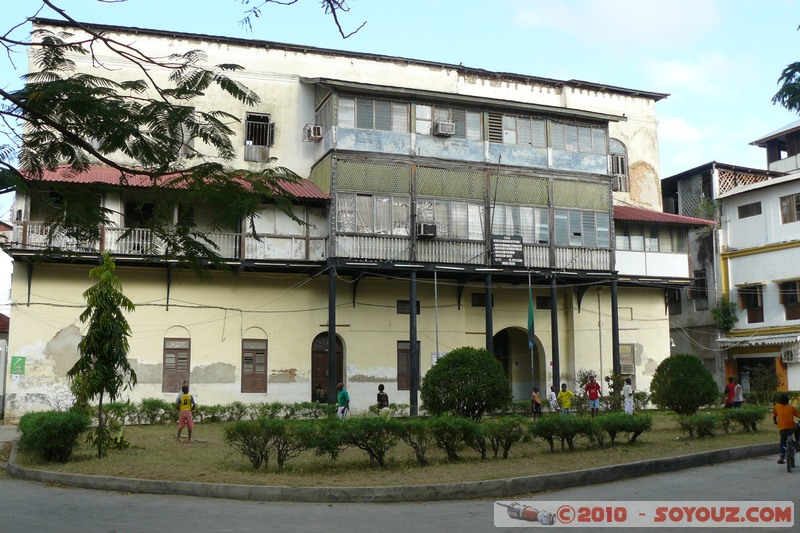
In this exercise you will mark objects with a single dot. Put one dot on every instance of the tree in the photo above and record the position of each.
(466, 382)
(681, 383)
(789, 94)
(103, 368)
(139, 127)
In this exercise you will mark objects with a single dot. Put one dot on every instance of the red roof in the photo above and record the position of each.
(637, 214)
(303, 188)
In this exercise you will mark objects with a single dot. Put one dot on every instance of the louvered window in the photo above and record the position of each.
(254, 365)
(177, 359)
(404, 364)
(582, 228)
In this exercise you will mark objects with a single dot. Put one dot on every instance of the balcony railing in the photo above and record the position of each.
(142, 242)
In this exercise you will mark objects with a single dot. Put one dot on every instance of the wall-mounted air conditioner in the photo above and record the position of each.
(426, 231)
(312, 132)
(443, 128)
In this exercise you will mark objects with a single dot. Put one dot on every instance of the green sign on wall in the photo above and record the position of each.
(17, 364)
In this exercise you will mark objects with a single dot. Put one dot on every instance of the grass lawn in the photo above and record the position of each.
(156, 454)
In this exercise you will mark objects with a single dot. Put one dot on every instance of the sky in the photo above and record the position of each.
(719, 60)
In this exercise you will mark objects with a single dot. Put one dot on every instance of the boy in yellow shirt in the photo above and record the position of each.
(186, 405)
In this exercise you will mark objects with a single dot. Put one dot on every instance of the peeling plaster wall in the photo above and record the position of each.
(216, 315)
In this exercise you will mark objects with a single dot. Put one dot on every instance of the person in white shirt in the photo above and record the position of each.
(551, 397)
(627, 396)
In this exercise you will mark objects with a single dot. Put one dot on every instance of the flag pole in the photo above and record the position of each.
(530, 325)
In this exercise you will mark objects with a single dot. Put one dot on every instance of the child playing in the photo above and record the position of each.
(553, 400)
(186, 405)
(565, 399)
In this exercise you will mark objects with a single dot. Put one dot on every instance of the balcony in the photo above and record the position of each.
(141, 242)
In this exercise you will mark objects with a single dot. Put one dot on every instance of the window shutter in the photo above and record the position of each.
(495, 128)
(271, 134)
(364, 110)
(383, 115)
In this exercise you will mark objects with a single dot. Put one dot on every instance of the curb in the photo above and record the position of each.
(400, 493)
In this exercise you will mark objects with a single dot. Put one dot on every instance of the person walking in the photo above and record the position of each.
(738, 397)
(729, 392)
(343, 401)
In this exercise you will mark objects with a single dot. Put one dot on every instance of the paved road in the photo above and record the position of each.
(31, 507)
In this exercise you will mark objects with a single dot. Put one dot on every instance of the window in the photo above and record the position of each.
(619, 165)
(259, 135)
(454, 219)
(371, 114)
(468, 124)
(404, 364)
(254, 365)
(750, 210)
(137, 215)
(790, 208)
(372, 214)
(673, 297)
(790, 299)
(582, 228)
(578, 138)
(177, 359)
(479, 299)
(699, 290)
(404, 307)
(750, 299)
(530, 223)
(542, 302)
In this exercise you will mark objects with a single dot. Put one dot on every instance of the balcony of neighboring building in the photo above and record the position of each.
(652, 244)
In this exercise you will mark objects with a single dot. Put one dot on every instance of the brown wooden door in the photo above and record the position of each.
(319, 365)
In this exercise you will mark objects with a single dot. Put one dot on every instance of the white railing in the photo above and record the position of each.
(583, 259)
(276, 247)
(451, 252)
(374, 248)
(536, 256)
(138, 241)
(35, 235)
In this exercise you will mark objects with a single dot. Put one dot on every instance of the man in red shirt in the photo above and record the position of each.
(593, 391)
(730, 392)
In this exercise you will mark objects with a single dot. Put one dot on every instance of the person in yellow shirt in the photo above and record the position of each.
(783, 414)
(565, 399)
(186, 405)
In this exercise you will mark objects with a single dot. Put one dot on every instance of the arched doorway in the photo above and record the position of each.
(319, 364)
(511, 349)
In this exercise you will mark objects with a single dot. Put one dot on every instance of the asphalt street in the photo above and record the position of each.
(33, 507)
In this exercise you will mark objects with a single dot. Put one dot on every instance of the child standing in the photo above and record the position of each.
(553, 400)
(627, 396)
(186, 405)
(536, 403)
(565, 399)
(383, 399)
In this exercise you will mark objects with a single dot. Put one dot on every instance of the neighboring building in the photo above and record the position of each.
(751, 261)
(694, 193)
(435, 194)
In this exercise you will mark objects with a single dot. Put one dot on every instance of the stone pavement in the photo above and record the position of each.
(408, 493)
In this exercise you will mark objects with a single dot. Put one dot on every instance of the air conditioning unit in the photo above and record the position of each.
(627, 369)
(426, 231)
(312, 132)
(443, 128)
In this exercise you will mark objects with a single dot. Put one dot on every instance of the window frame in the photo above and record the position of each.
(579, 228)
(749, 210)
(254, 383)
(790, 208)
(751, 300)
(789, 298)
(173, 374)
(404, 365)
(360, 214)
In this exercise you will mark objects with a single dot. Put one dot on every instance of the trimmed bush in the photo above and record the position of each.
(287, 438)
(699, 425)
(416, 432)
(467, 382)
(569, 427)
(450, 434)
(153, 410)
(120, 412)
(503, 433)
(546, 428)
(52, 434)
(374, 435)
(327, 438)
(249, 438)
(682, 383)
(747, 417)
